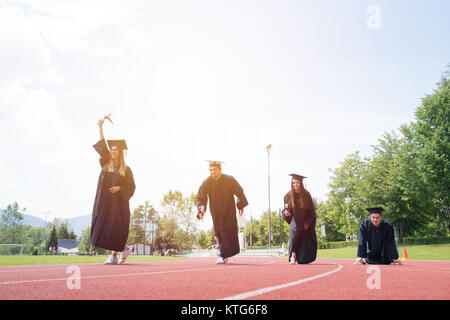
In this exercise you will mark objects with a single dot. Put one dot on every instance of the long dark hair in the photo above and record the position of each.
(300, 200)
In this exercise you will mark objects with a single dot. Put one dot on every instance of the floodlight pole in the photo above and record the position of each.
(268, 148)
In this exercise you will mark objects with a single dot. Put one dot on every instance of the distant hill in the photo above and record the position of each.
(33, 221)
(78, 224)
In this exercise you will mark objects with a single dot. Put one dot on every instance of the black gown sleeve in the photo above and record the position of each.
(239, 193)
(103, 151)
(310, 216)
(362, 241)
(390, 251)
(283, 213)
(201, 199)
(128, 186)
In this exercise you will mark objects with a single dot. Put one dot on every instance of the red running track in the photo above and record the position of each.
(248, 278)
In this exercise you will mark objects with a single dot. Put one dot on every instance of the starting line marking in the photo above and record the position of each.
(42, 267)
(282, 286)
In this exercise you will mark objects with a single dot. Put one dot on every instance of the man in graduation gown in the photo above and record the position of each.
(376, 243)
(220, 189)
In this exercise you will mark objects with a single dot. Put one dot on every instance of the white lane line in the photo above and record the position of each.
(258, 292)
(88, 265)
(127, 274)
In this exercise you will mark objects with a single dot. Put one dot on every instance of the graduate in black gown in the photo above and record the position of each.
(376, 243)
(220, 189)
(299, 211)
(111, 212)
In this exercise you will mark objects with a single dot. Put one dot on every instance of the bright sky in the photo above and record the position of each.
(187, 81)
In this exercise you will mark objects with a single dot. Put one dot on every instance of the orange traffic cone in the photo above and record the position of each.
(405, 255)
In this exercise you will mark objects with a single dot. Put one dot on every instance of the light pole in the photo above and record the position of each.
(268, 148)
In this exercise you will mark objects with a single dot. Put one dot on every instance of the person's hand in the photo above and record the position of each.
(201, 212)
(305, 226)
(287, 213)
(360, 261)
(241, 212)
(114, 189)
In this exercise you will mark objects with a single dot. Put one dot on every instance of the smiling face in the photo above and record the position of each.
(115, 153)
(215, 172)
(376, 219)
(296, 185)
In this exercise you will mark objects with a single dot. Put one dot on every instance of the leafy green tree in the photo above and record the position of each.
(12, 218)
(386, 184)
(52, 240)
(429, 138)
(85, 243)
(65, 231)
(346, 202)
(325, 218)
(203, 239)
(144, 217)
(165, 236)
(137, 233)
(182, 212)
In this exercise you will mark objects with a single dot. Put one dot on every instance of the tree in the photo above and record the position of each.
(346, 202)
(143, 217)
(204, 239)
(165, 236)
(136, 234)
(429, 138)
(388, 182)
(182, 212)
(12, 218)
(52, 240)
(65, 231)
(85, 243)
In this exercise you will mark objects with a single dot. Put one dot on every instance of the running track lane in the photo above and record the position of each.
(240, 278)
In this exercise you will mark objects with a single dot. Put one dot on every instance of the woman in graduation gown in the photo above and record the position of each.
(300, 213)
(111, 213)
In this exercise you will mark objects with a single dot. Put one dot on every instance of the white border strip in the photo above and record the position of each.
(258, 292)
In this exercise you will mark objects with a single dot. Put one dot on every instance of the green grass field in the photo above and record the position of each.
(27, 260)
(415, 252)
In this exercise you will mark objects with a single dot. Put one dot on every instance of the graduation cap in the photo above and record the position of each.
(121, 144)
(215, 163)
(378, 210)
(297, 176)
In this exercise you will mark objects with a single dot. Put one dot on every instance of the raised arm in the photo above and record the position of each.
(100, 146)
(100, 127)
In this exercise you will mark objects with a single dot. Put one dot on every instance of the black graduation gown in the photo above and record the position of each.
(302, 242)
(377, 245)
(111, 213)
(223, 210)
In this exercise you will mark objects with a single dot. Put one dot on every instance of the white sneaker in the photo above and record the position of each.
(292, 261)
(124, 255)
(221, 260)
(111, 260)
